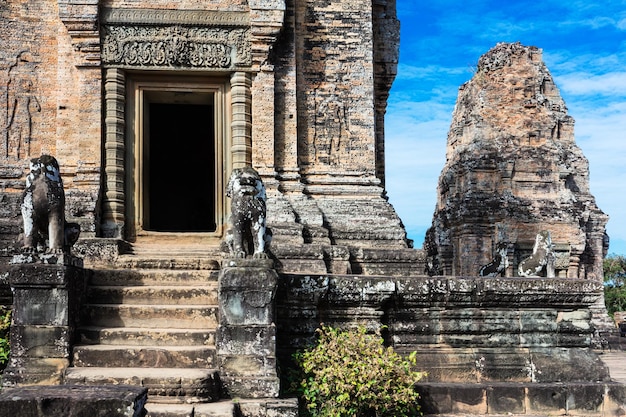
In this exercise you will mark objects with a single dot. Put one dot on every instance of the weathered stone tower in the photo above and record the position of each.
(149, 105)
(512, 170)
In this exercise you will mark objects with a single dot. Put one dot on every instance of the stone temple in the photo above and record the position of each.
(513, 169)
(161, 115)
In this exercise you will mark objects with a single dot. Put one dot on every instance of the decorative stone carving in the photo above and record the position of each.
(499, 264)
(21, 104)
(332, 128)
(179, 17)
(43, 209)
(248, 234)
(170, 38)
(543, 257)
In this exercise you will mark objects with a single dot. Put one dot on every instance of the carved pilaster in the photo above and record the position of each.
(386, 55)
(263, 129)
(266, 21)
(80, 17)
(241, 125)
(114, 201)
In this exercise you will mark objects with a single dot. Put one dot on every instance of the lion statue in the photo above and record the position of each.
(43, 209)
(543, 257)
(499, 263)
(248, 234)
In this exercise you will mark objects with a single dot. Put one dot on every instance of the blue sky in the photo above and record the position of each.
(584, 47)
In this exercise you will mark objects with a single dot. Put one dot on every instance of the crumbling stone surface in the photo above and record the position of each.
(246, 335)
(464, 329)
(74, 401)
(512, 170)
(47, 289)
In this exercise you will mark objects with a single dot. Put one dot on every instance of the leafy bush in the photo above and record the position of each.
(352, 374)
(5, 322)
(614, 283)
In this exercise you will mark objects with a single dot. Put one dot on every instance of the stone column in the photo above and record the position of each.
(241, 125)
(45, 289)
(246, 335)
(113, 211)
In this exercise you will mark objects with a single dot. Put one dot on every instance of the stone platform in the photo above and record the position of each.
(545, 399)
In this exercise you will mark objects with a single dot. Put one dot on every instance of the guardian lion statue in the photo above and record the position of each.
(499, 263)
(43, 209)
(543, 257)
(248, 235)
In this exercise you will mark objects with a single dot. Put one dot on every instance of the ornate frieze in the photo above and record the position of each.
(171, 38)
(175, 17)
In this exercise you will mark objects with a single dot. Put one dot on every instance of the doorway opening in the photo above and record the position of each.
(180, 169)
(179, 145)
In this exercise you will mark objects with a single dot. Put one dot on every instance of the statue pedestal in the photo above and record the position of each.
(45, 289)
(246, 336)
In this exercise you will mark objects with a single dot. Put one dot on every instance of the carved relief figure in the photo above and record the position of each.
(331, 128)
(499, 263)
(21, 102)
(248, 234)
(543, 257)
(43, 209)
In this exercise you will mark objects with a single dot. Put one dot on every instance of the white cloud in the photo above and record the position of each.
(600, 133)
(583, 83)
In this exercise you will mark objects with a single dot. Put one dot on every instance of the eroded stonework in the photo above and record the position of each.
(513, 170)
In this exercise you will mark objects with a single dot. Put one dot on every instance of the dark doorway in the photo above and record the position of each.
(180, 168)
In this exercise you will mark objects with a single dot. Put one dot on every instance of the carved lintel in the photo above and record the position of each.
(175, 39)
(175, 46)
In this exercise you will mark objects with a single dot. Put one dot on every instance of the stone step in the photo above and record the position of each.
(260, 407)
(144, 356)
(151, 316)
(217, 409)
(139, 336)
(125, 277)
(163, 261)
(154, 294)
(165, 385)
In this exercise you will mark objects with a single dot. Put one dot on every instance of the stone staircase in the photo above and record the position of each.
(150, 320)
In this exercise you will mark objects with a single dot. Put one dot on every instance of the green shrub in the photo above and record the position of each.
(352, 374)
(5, 322)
